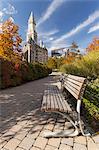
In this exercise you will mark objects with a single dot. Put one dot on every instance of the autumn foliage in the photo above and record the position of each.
(10, 41)
(94, 46)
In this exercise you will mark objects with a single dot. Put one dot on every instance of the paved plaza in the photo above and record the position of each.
(22, 123)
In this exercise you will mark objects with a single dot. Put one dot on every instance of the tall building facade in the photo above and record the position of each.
(32, 51)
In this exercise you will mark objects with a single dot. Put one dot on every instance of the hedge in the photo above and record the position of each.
(12, 74)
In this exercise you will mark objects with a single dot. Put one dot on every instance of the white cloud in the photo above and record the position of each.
(48, 40)
(49, 33)
(47, 37)
(50, 10)
(0, 27)
(51, 38)
(59, 45)
(94, 28)
(10, 10)
(1, 15)
(78, 28)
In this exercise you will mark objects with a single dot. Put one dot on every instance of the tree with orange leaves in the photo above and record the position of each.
(10, 41)
(94, 46)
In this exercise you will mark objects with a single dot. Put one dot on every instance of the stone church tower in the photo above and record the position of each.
(32, 52)
(31, 33)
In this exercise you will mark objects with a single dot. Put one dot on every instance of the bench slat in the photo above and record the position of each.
(80, 79)
(49, 100)
(73, 86)
(59, 103)
(53, 100)
(73, 92)
(76, 83)
(65, 104)
(61, 98)
(44, 102)
(56, 103)
(76, 91)
(52, 105)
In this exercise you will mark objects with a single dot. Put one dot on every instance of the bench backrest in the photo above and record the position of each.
(74, 84)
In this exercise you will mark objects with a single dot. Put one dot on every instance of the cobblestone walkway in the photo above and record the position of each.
(22, 123)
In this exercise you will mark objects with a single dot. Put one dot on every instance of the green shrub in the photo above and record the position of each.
(88, 66)
(92, 92)
(91, 103)
(92, 110)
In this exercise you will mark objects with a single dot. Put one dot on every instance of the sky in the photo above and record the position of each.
(58, 22)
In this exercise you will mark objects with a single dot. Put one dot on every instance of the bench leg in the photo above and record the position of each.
(79, 119)
(64, 133)
(81, 128)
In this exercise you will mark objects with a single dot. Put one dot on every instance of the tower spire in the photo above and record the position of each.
(33, 17)
(31, 28)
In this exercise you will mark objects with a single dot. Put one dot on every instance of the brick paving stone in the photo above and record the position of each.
(49, 126)
(12, 144)
(68, 141)
(78, 146)
(2, 143)
(96, 138)
(19, 148)
(40, 142)
(8, 134)
(26, 143)
(33, 135)
(20, 135)
(67, 125)
(15, 128)
(35, 148)
(61, 120)
(43, 131)
(54, 142)
(37, 128)
(22, 123)
(51, 120)
(25, 129)
(58, 130)
(43, 122)
(30, 122)
(80, 140)
(91, 145)
(59, 126)
(49, 147)
(29, 126)
(65, 147)
(97, 146)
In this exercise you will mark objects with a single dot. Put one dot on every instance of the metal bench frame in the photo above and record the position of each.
(77, 125)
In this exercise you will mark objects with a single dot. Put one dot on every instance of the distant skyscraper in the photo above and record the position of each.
(31, 50)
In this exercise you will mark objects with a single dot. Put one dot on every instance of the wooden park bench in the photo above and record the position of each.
(54, 101)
